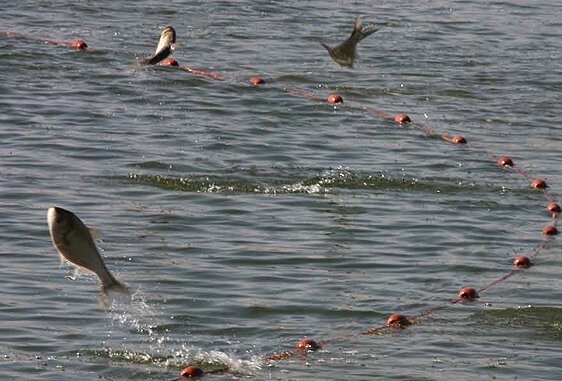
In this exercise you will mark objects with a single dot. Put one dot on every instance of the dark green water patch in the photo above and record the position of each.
(290, 183)
(545, 322)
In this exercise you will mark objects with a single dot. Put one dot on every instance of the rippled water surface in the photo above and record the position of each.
(246, 218)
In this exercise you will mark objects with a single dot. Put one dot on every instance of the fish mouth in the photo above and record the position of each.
(54, 215)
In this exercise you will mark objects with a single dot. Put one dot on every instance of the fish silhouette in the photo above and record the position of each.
(346, 52)
(74, 242)
(166, 45)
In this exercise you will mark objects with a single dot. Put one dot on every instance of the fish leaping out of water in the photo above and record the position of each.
(74, 242)
(346, 52)
(166, 45)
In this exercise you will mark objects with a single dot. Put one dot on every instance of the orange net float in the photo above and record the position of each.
(257, 81)
(522, 262)
(398, 321)
(402, 119)
(468, 293)
(334, 99)
(539, 184)
(550, 230)
(169, 62)
(79, 45)
(308, 345)
(554, 208)
(505, 162)
(191, 371)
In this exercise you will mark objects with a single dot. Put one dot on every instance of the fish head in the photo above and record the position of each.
(61, 222)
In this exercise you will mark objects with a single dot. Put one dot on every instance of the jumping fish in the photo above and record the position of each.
(166, 45)
(346, 52)
(74, 242)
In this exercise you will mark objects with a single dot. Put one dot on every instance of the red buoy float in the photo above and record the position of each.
(554, 208)
(79, 45)
(550, 230)
(397, 321)
(192, 371)
(334, 99)
(468, 293)
(307, 345)
(169, 62)
(539, 184)
(522, 262)
(505, 162)
(402, 119)
(257, 81)
(459, 140)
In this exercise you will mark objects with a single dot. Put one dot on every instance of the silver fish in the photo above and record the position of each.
(346, 52)
(74, 242)
(166, 45)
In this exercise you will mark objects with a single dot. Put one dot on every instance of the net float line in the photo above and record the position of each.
(467, 294)
(305, 94)
(170, 62)
(404, 119)
(77, 44)
(209, 74)
(396, 321)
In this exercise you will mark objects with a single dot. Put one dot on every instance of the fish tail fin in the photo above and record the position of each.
(114, 286)
(359, 32)
(110, 285)
(109, 292)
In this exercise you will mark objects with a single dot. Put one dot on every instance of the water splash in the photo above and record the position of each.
(134, 314)
(138, 316)
(293, 183)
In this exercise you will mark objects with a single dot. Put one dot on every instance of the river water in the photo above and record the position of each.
(247, 218)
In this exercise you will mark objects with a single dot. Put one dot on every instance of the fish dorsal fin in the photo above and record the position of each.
(94, 233)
